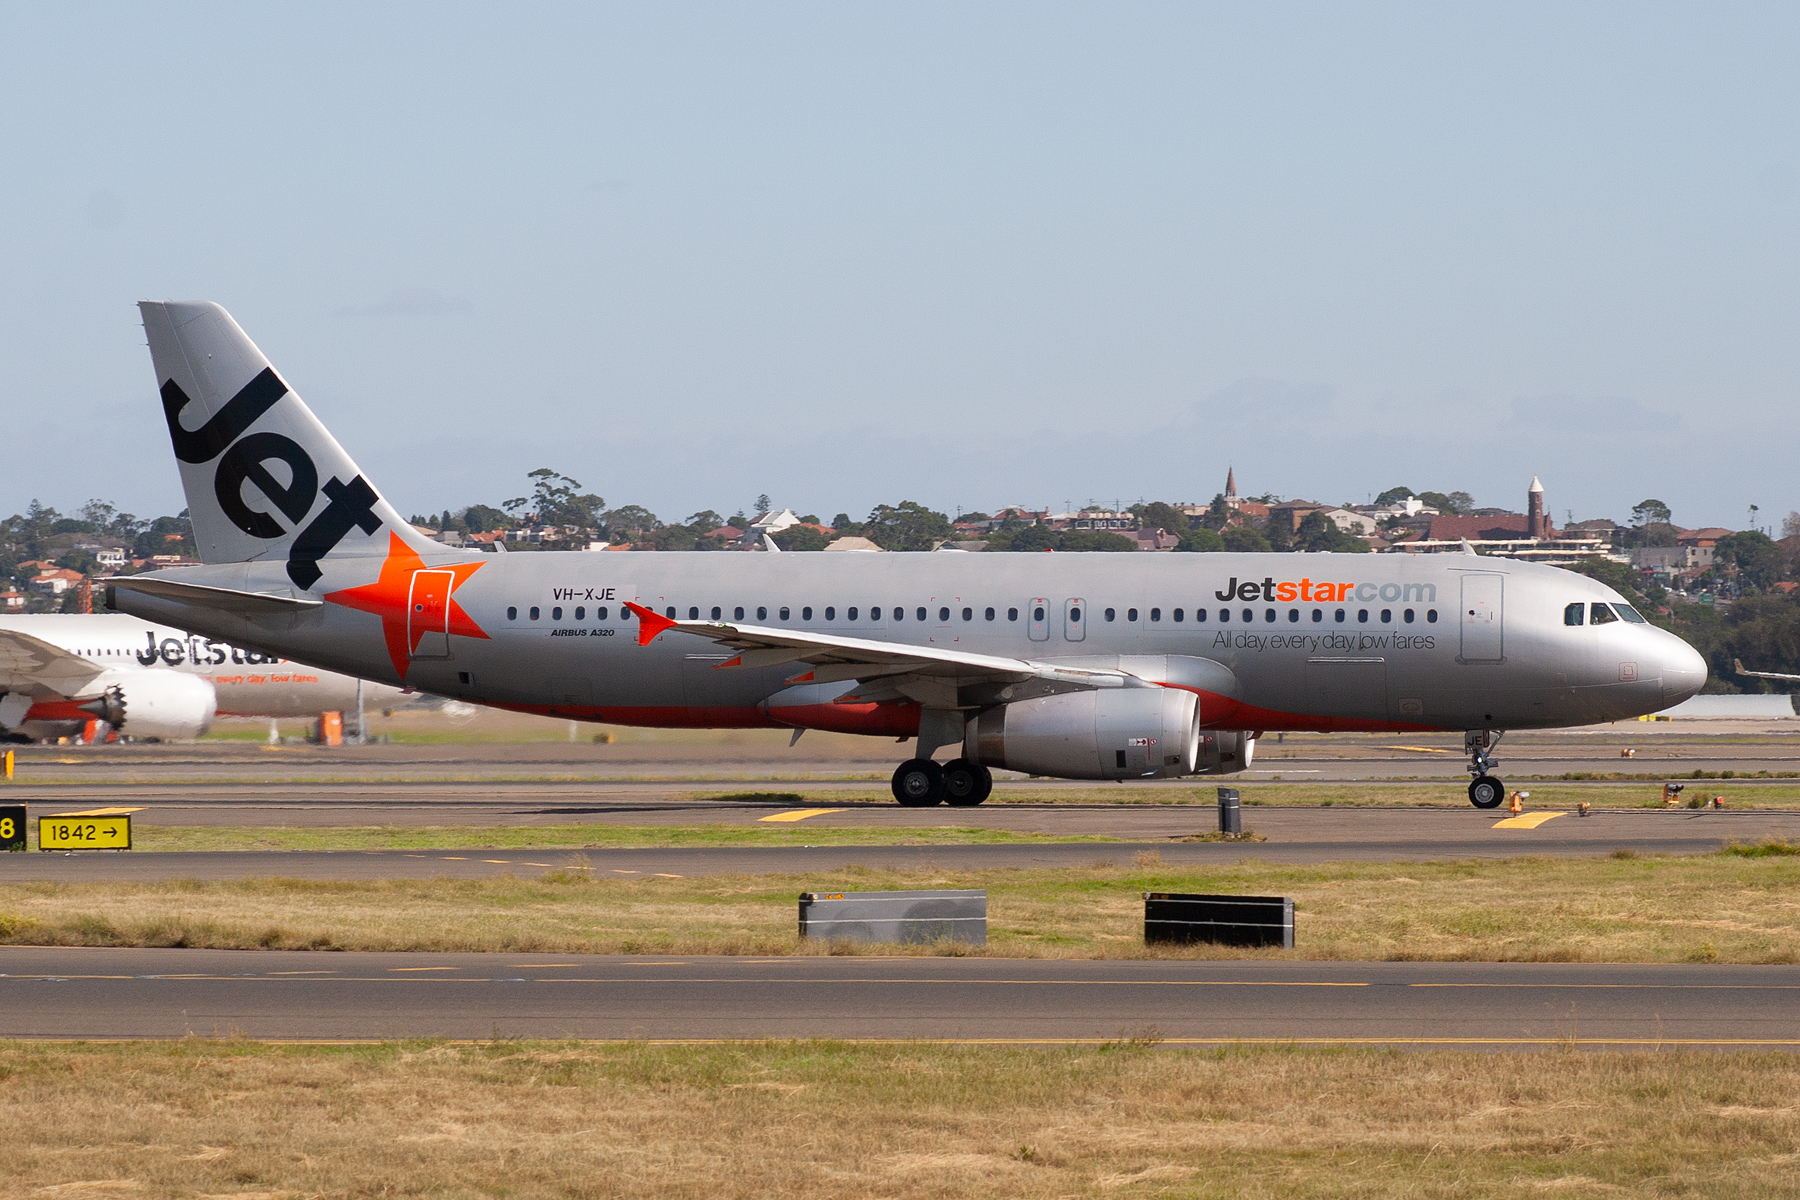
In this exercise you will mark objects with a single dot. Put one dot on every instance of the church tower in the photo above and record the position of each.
(1230, 484)
(1535, 521)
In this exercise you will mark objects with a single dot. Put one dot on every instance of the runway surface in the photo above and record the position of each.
(106, 993)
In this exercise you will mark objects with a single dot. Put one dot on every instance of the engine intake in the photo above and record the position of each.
(1129, 733)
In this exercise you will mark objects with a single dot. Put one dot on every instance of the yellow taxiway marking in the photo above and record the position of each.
(1527, 820)
(537, 864)
(424, 968)
(100, 812)
(622, 871)
(302, 972)
(454, 858)
(1665, 1043)
(799, 814)
(1418, 749)
(505, 862)
(524, 966)
(665, 875)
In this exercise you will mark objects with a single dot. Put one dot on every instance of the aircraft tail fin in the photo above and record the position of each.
(264, 479)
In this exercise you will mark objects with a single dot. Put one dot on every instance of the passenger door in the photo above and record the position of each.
(1483, 619)
(1039, 616)
(428, 614)
(1075, 619)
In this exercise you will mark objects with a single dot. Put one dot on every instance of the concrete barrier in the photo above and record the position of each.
(907, 917)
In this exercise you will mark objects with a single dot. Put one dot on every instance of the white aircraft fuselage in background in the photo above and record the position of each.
(1097, 666)
(158, 681)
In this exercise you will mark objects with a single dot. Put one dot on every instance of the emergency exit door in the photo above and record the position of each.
(1075, 619)
(428, 614)
(1483, 618)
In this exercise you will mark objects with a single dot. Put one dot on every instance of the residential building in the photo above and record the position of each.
(853, 544)
(56, 582)
(11, 601)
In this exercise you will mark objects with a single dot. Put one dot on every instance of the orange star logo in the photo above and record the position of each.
(411, 605)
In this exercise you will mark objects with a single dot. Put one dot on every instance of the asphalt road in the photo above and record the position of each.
(135, 993)
(1293, 836)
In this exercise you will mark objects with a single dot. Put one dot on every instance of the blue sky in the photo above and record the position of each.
(969, 255)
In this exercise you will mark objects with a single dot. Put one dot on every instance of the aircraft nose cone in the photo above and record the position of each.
(1684, 672)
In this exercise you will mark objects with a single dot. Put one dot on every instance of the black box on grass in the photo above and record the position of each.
(1183, 917)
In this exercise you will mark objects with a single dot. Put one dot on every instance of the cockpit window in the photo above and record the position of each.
(1630, 614)
(1573, 613)
(1600, 614)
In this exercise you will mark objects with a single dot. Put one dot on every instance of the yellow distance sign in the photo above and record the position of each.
(81, 832)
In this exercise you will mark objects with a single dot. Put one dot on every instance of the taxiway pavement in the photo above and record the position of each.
(169, 993)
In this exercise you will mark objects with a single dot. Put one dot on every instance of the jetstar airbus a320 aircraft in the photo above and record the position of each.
(1085, 666)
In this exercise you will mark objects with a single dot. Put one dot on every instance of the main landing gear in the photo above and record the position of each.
(1485, 790)
(920, 783)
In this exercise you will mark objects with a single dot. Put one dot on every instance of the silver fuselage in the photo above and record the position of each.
(1402, 643)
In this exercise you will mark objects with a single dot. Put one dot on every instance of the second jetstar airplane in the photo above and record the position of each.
(1084, 666)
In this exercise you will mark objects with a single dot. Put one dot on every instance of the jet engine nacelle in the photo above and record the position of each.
(1224, 752)
(154, 704)
(1124, 733)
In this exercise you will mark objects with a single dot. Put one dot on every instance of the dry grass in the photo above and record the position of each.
(906, 1120)
(1724, 907)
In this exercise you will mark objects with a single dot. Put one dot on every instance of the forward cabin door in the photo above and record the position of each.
(1039, 617)
(1483, 625)
(428, 614)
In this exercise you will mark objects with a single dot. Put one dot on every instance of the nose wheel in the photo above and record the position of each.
(1485, 790)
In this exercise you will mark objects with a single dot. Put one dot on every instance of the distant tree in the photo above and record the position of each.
(1089, 540)
(1201, 541)
(801, 537)
(629, 521)
(556, 501)
(1394, 495)
(906, 526)
(981, 516)
(1790, 525)
(810, 519)
(762, 503)
(480, 518)
(738, 520)
(704, 521)
(1319, 533)
(1279, 533)
(1241, 539)
(1024, 539)
(843, 524)
(1456, 504)
(1757, 558)
(1652, 512)
(1158, 515)
(1218, 514)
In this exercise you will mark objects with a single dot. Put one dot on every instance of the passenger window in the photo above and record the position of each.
(512, 613)
(1224, 614)
(624, 613)
(1248, 615)
(1600, 614)
(534, 612)
(1630, 614)
(1387, 616)
(1338, 616)
(669, 612)
(762, 614)
(556, 613)
(717, 612)
(1293, 616)
(990, 614)
(1074, 616)
(899, 614)
(1199, 614)
(806, 613)
(1176, 614)
(737, 614)
(1318, 615)
(1362, 616)
(968, 614)
(850, 613)
(831, 612)
(1431, 616)
(1408, 616)
(1012, 614)
(945, 617)
(1573, 613)
(1037, 614)
(581, 613)
(1156, 614)
(1112, 614)
(784, 612)
(599, 614)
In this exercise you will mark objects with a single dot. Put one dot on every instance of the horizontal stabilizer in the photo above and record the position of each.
(248, 604)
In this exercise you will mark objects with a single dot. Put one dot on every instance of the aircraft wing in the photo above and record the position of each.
(931, 675)
(29, 664)
(1739, 668)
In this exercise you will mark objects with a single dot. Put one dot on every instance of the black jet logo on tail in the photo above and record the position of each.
(245, 459)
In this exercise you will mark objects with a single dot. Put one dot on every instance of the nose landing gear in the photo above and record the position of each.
(1485, 790)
